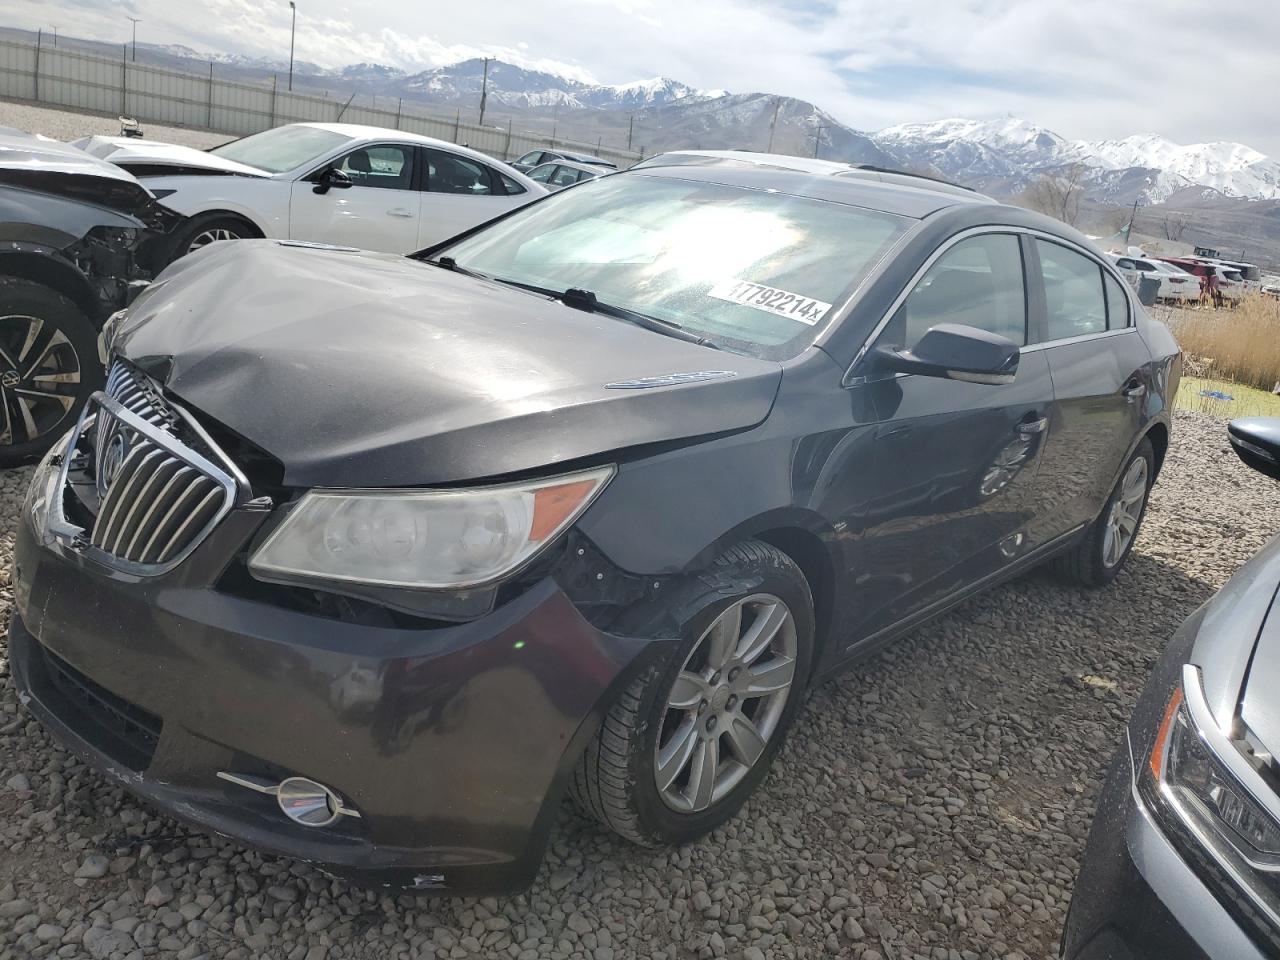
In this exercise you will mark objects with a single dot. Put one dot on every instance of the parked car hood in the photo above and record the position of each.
(360, 369)
(50, 166)
(156, 158)
(1237, 648)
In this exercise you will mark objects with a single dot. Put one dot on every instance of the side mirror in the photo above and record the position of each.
(954, 351)
(331, 177)
(1256, 441)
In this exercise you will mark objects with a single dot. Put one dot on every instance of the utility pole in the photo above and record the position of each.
(55, 36)
(484, 89)
(631, 129)
(1129, 226)
(777, 102)
(293, 30)
(136, 21)
(817, 140)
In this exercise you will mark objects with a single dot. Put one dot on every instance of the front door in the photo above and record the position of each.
(1096, 358)
(948, 487)
(379, 211)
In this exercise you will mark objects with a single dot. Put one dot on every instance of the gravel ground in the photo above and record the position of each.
(70, 125)
(932, 803)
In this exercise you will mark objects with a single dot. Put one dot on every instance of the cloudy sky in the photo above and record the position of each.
(1084, 68)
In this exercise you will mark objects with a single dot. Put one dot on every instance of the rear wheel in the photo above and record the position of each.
(1098, 558)
(48, 367)
(689, 739)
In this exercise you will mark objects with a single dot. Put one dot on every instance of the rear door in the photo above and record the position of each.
(460, 192)
(1097, 360)
(949, 489)
(379, 211)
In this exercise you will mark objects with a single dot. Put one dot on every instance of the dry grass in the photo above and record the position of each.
(1240, 345)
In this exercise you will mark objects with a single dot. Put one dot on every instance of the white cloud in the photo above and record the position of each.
(1084, 68)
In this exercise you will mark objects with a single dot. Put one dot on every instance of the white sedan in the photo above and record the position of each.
(333, 183)
(1175, 283)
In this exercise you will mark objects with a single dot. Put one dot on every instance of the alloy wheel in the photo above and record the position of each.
(726, 703)
(1125, 512)
(39, 378)
(212, 235)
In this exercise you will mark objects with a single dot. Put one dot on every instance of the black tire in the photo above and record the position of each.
(205, 224)
(65, 343)
(1086, 562)
(615, 782)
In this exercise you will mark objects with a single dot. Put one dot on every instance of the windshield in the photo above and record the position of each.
(751, 270)
(282, 148)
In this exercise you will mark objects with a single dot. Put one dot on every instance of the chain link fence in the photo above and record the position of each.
(85, 81)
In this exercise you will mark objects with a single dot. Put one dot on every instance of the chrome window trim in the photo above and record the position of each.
(986, 229)
(1082, 338)
(347, 148)
(227, 477)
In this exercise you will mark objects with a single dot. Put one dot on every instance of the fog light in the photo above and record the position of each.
(302, 800)
(307, 802)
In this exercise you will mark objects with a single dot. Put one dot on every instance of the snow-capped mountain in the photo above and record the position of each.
(517, 87)
(1232, 169)
(1010, 152)
(981, 148)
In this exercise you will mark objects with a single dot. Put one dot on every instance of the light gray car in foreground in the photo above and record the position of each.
(1184, 857)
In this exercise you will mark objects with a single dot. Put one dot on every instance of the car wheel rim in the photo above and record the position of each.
(1126, 511)
(206, 237)
(39, 378)
(726, 703)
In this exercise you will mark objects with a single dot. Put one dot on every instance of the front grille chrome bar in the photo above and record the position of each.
(165, 497)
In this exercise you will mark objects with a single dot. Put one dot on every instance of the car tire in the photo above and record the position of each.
(1097, 559)
(210, 228)
(43, 335)
(617, 782)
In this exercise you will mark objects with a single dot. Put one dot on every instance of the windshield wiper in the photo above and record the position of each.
(448, 263)
(587, 301)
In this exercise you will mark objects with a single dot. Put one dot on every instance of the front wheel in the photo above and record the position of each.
(203, 230)
(48, 367)
(691, 737)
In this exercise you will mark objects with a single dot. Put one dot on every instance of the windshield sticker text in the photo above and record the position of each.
(793, 306)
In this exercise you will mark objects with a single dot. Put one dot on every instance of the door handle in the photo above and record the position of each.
(399, 212)
(1031, 428)
(1135, 390)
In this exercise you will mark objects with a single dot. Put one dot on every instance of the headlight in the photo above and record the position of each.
(423, 539)
(1206, 795)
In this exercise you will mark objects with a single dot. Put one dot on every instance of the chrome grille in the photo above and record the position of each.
(158, 495)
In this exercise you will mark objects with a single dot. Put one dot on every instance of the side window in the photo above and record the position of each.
(564, 176)
(510, 185)
(1073, 291)
(543, 173)
(1143, 266)
(1124, 264)
(1117, 303)
(450, 173)
(382, 165)
(978, 282)
(531, 158)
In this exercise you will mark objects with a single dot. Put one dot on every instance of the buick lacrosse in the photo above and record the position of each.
(370, 560)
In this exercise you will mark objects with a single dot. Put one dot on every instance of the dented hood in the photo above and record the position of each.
(155, 157)
(359, 369)
(50, 166)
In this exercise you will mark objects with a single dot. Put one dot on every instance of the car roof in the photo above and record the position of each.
(591, 168)
(812, 165)
(359, 131)
(917, 200)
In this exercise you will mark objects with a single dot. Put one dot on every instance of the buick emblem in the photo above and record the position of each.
(112, 460)
(10, 379)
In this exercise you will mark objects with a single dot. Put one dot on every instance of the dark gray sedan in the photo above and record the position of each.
(369, 560)
(1183, 861)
